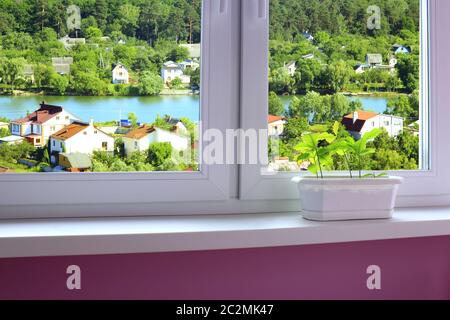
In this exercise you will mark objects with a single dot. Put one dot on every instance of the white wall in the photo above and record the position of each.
(393, 125)
(179, 143)
(86, 141)
(276, 128)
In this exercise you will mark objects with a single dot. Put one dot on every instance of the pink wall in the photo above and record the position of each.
(411, 269)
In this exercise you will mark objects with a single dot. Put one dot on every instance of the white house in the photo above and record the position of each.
(120, 74)
(275, 125)
(79, 137)
(398, 48)
(360, 122)
(291, 67)
(375, 61)
(139, 139)
(172, 70)
(189, 64)
(38, 126)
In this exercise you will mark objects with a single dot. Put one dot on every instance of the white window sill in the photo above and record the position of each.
(57, 237)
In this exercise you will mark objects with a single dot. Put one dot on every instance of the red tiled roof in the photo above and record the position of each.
(357, 125)
(70, 130)
(272, 118)
(140, 132)
(43, 114)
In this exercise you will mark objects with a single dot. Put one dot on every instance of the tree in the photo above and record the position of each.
(7, 23)
(129, 17)
(280, 81)
(159, 153)
(295, 128)
(11, 70)
(101, 13)
(276, 106)
(93, 32)
(42, 14)
(133, 119)
(60, 83)
(337, 75)
(150, 84)
(179, 54)
(408, 67)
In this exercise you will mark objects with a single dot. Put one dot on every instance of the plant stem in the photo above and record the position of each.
(348, 165)
(360, 167)
(320, 166)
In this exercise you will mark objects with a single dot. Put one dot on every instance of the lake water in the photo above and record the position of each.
(370, 103)
(146, 108)
(103, 109)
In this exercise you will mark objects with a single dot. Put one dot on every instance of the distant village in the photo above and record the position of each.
(120, 73)
(71, 142)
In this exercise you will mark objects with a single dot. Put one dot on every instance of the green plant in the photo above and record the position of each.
(315, 148)
(319, 148)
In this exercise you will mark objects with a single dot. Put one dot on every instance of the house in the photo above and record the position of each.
(398, 49)
(38, 126)
(172, 70)
(194, 50)
(291, 67)
(80, 137)
(75, 162)
(71, 42)
(120, 74)
(139, 139)
(275, 125)
(177, 124)
(308, 36)
(374, 59)
(62, 65)
(360, 122)
(189, 64)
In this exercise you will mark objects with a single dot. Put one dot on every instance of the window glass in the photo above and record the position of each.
(345, 68)
(124, 67)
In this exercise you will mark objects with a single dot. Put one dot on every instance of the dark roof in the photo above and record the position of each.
(357, 125)
(172, 121)
(43, 114)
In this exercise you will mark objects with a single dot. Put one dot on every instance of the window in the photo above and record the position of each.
(208, 32)
(237, 67)
(263, 68)
(105, 146)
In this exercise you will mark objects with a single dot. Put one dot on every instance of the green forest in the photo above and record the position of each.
(140, 34)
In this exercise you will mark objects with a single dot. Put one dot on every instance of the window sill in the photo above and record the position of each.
(58, 237)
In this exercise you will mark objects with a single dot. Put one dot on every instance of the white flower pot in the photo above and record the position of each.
(337, 198)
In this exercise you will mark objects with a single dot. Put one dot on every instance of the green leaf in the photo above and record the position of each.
(328, 137)
(336, 127)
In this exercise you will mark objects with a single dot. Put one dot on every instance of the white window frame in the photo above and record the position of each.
(234, 87)
(120, 194)
(420, 188)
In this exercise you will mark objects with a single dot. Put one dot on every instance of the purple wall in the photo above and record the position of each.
(411, 269)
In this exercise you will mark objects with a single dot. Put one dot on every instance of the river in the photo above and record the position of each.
(146, 108)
